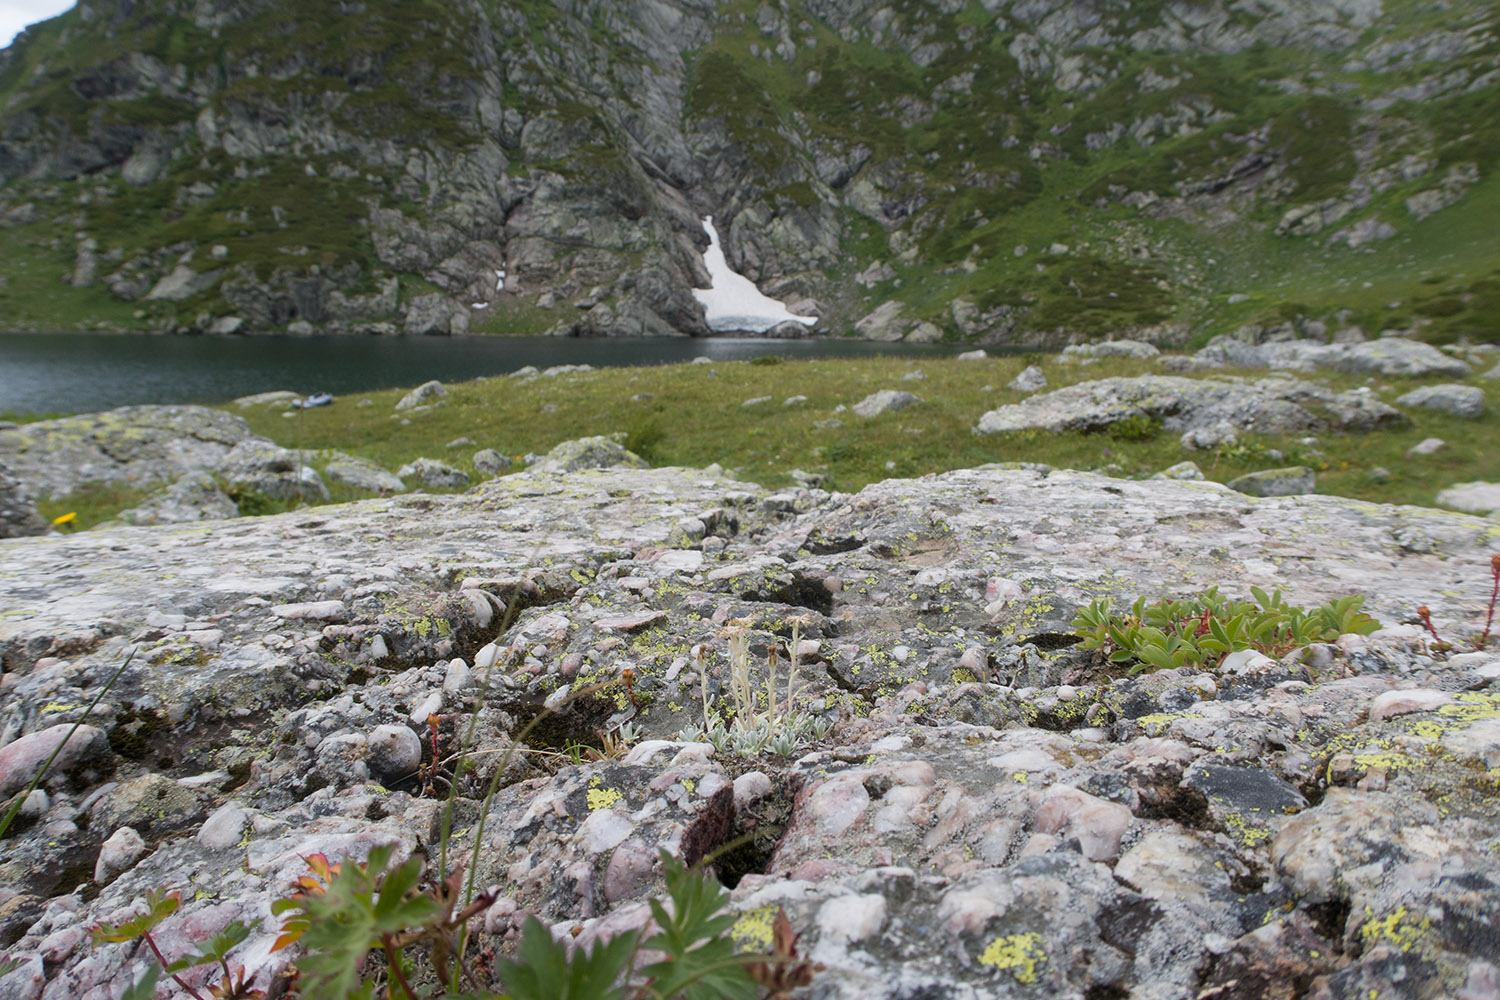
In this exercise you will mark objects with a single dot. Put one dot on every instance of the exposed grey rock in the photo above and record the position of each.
(1452, 399)
(1270, 406)
(435, 314)
(118, 854)
(1030, 380)
(1290, 481)
(18, 513)
(1386, 356)
(361, 474)
(194, 497)
(884, 401)
(431, 472)
(590, 453)
(491, 462)
(260, 466)
(884, 323)
(1475, 497)
(423, 395)
(1182, 470)
(135, 444)
(1113, 349)
(21, 759)
(951, 835)
(976, 355)
(1426, 446)
(282, 398)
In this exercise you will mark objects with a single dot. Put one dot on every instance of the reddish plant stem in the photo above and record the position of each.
(1489, 617)
(164, 963)
(393, 959)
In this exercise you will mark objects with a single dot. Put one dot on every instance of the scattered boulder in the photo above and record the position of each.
(1426, 446)
(1139, 350)
(978, 354)
(18, 513)
(1269, 406)
(1291, 481)
(884, 401)
(431, 472)
(260, 466)
(361, 474)
(282, 398)
(490, 462)
(1182, 470)
(1474, 498)
(194, 497)
(1386, 356)
(1450, 398)
(425, 394)
(1030, 380)
(590, 453)
(883, 323)
(140, 445)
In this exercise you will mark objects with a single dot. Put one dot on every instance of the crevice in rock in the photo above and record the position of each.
(1330, 919)
(800, 592)
(756, 833)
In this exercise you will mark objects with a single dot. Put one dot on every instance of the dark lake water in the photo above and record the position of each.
(80, 372)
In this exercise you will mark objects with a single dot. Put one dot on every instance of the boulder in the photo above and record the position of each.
(883, 323)
(1386, 356)
(1269, 406)
(884, 401)
(490, 462)
(260, 466)
(1475, 498)
(431, 472)
(194, 497)
(423, 395)
(18, 513)
(589, 453)
(1450, 398)
(140, 445)
(1136, 349)
(1291, 481)
(361, 474)
(1031, 379)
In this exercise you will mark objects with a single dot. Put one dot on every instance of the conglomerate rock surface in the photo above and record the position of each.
(989, 814)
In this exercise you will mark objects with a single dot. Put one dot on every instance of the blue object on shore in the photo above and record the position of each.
(316, 399)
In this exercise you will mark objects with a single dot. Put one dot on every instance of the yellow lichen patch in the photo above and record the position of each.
(1394, 928)
(601, 798)
(752, 931)
(1017, 954)
(1243, 831)
(1155, 725)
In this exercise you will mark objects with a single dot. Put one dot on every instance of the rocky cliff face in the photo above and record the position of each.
(981, 811)
(1011, 172)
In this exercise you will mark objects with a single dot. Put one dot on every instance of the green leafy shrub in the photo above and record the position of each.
(1200, 631)
(343, 912)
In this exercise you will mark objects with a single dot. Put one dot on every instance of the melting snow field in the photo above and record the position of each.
(732, 303)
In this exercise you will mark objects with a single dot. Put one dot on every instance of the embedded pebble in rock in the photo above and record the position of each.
(118, 853)
(394, 751)
(223, 829)
(848, 919)
(23, 758)
(1394, 703)
(1098, 825)
(988, 801)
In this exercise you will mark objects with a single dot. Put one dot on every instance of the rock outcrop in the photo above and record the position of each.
(249, 167)
(988, 811)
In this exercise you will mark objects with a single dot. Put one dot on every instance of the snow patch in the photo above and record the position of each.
(732, 303)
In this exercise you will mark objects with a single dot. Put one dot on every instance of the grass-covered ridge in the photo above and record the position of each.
(692, 415)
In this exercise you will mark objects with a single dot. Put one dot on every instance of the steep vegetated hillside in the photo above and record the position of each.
(1032, 172)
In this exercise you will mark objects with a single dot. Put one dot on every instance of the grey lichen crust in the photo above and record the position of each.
(987, 814)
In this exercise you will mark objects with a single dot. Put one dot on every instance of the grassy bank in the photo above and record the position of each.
(696, 414)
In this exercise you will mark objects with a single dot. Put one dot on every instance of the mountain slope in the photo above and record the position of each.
(1015, 172)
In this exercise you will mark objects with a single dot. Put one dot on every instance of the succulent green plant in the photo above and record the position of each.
(1200, 631)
